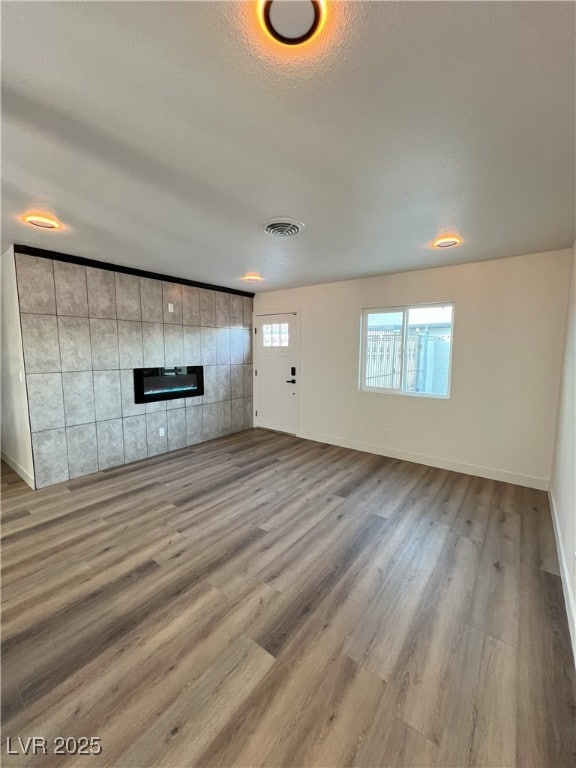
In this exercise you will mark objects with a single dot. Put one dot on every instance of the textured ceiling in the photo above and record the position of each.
(164, 134)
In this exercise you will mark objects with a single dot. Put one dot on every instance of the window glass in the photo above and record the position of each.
(275, 335)
(407, 350)
(384, 350)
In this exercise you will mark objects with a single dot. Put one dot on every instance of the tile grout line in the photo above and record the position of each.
(61, 377)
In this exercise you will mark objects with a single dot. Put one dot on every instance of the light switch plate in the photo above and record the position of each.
(170, 307)
(161, 431)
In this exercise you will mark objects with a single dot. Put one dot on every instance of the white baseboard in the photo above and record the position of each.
(563, 559)
(491, 473)
(24, 474)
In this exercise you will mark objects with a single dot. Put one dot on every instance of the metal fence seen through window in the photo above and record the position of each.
(384, 349)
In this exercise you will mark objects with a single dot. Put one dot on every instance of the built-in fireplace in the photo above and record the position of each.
(152, 384)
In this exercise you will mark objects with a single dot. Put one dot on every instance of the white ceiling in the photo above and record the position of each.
(164, 134)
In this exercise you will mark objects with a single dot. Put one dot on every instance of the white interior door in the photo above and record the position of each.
(276, 369)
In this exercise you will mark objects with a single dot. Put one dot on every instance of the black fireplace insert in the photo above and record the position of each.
(153, 384)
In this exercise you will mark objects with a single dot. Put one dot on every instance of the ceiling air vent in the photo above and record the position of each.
(282, 227)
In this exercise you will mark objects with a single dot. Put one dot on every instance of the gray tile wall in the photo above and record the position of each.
(82, 450)
(71, 290)
(85, 329)
(101, 293)
(135, 442)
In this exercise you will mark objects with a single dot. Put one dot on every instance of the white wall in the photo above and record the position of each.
(16, 442)
(563, 486)
(508, 338)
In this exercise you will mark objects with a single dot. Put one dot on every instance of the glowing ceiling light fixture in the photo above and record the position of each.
(292, 22)
(41, 220)
(447, 241)
(252, 277)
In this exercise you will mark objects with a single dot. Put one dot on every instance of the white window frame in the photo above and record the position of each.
(363, 342)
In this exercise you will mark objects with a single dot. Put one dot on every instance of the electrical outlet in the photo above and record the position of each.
(161, 431)
(386, 433)
(170, 307)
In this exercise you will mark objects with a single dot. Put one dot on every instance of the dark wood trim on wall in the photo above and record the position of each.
(30, 250)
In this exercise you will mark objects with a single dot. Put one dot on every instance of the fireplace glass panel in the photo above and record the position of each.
(153, 384)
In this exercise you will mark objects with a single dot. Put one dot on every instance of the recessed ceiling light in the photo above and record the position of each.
(292, 22)
(42, 221)
(252, 277)
(449, 241)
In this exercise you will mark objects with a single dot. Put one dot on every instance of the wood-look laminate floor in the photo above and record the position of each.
(262, 600)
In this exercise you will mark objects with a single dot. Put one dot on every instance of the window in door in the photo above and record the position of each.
(275, 335)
